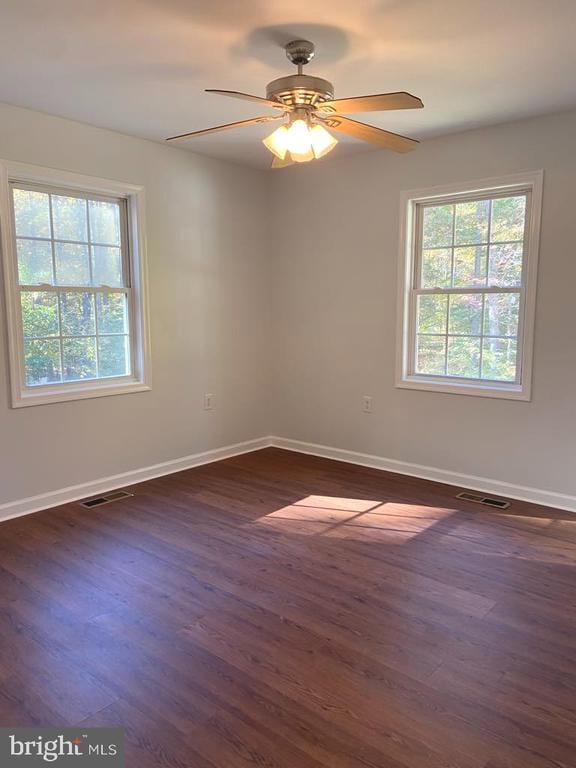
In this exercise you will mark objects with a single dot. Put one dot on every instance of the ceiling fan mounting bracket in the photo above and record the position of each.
(299, 52)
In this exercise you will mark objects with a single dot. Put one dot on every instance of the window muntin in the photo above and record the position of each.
(468, 288)
(75, 296)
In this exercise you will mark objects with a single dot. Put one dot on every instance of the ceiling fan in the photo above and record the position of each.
(307, 106)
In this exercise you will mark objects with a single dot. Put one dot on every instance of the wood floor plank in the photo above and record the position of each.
(287, 611)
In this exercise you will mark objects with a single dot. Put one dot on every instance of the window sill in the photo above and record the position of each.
(46, 394)
(477, 389)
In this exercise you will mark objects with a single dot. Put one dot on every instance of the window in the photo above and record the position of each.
(74, 274)
(468, 288)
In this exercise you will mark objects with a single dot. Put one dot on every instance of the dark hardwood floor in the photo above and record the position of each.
(285, 611)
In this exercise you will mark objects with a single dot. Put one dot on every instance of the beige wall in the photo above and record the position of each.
(209, 296)
(335, 300)
(289, 334)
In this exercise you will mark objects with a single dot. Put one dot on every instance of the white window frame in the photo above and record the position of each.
(411, 202)
(140, 378)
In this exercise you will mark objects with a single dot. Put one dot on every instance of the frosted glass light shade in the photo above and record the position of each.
(322, 141)
(277, 142)
(299, 142)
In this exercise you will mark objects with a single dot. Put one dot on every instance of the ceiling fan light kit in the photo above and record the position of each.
(300, 141)
(308, 108)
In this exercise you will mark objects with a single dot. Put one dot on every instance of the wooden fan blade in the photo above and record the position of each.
(249, 97)
(277, 163)
(370, 133)
(205, 131)
(379, 102)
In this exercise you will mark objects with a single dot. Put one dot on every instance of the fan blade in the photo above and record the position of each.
(277, 163)
(379, 102)
(252, 121)
(249, 97)
(370, 133)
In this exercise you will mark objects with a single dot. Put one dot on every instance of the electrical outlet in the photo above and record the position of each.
(367, 404)
(208, 402)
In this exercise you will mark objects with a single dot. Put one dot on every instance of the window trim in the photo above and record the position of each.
(140, 379)
(411, 202)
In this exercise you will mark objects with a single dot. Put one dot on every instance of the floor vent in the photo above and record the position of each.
(487, 500)
(97, 501)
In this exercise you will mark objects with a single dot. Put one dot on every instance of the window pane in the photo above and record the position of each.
(77, 314)
(72, 265)
(42, 360)
(68, 250)
(32, 213)
(112, 313)
(431, 355)
(465, 248)
(437, 226)
(464, 357)
(465, 314)
(78, 359)
(436, 268)
(501, 313)
(113, 356)
(34, 262)
(69, 218)
(107, 266)
(470, 267)
(39, 313)
(432, 314)
(104, 222)
(505, 264)
(471, 222)
(508, 214)
(499, 359)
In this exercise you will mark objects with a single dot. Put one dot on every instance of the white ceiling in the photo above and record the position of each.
(140, 66)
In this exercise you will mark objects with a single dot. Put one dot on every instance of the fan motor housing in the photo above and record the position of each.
(302, 90)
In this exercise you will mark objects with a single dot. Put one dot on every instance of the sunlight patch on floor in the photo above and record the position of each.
(352, 518)
(396, 523)
(337, 502)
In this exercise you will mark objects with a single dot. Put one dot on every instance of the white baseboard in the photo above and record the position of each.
(105, 484)
(473, 482)
(465, 482)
